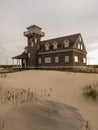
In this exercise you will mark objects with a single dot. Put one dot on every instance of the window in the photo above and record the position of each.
(84, 60)
(35, 40)
(47, 46)
(66, 43)
(76, 58)
(32, 44)
(66, 58)
(39, 60)
(29, 55)
(48, 60)
(79, 45)
(56, 59)
(55, 45)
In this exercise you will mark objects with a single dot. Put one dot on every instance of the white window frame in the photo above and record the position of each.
(66, 43)
(47, 59)
(76, 59)
(35, 40)
(55, 45)
(84, 60)
(39, 60)
(79, 46)
(66, 59)
(56, 59)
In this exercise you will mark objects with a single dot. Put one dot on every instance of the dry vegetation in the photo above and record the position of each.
(91, 91)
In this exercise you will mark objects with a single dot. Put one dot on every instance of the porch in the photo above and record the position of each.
(20, 61)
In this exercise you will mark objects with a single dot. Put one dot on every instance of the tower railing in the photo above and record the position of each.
(32, 32)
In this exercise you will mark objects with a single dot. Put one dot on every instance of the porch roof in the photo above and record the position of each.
(21, 56)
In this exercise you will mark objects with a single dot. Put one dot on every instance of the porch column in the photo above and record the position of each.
(12, 62)
(17, 63)
(25, 63)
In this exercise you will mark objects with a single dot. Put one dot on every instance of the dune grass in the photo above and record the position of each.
(91, 91)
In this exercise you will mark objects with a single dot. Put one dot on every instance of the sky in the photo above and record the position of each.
(57, 18)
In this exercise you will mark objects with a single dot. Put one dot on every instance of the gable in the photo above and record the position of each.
(79, 44)
(62, 43)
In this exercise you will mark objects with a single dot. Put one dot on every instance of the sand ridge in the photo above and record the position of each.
(43, 114)
(66, 87)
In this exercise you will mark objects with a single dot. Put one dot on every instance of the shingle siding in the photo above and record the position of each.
(61, 56)
(38, 50)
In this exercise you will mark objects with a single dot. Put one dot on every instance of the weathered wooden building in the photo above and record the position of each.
(60, 53)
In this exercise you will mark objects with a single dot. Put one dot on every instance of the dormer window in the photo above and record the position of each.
(46, 46)
(55, 45)
(66, 43)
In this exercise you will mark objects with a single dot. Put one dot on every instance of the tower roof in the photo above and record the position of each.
(34, 26)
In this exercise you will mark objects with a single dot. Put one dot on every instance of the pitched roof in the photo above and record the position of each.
(21, 56)
(33, 26)
(60, 40)
(71, 38)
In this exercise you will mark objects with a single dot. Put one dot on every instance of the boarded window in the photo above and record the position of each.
(29, 55)
(66, 58)
(48, 60)
(39, 60)
(56, 59)
(75, 58)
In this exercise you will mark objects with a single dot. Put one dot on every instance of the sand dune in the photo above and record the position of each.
(43, 115)
(66, 87)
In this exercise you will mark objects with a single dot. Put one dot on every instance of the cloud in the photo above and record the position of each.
(56, 17)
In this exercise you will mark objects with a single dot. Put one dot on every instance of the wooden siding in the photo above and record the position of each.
(61, 59)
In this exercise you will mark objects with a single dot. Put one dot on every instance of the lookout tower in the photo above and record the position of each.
(33, 35)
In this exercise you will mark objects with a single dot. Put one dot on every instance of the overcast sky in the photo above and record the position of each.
(56, 17)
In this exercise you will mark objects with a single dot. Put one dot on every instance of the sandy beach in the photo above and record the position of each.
(62, 87)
